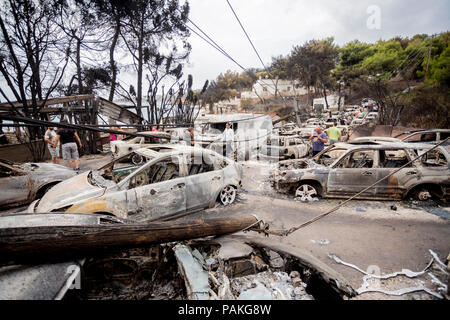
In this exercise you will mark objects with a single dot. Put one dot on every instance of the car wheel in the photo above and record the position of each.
(227, 195)
(423, 195)
(306, 193)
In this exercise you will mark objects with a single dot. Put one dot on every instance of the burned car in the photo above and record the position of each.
(23, 183)
(344, 170)
(285, 147)
(168, 181)
(433, 136)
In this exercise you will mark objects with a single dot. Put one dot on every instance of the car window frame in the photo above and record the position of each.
(444, 152)
(125, 182)
(405, 150)
(215, 155)
(376, 158)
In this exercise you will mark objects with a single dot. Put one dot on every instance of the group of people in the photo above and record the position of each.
(319, 138)
(64, 140)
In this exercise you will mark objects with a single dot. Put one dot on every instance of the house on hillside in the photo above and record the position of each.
(333, 103)
(266, 87)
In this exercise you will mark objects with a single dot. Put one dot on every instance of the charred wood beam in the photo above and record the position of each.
(56, 243)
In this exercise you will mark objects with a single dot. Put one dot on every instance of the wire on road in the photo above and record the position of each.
(286, 233)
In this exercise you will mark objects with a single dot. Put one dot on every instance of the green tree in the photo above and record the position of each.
(312, 64)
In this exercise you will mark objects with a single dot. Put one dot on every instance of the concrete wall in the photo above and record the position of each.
(19, 153)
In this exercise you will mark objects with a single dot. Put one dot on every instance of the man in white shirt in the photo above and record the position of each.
(50, 137)
(228, 136)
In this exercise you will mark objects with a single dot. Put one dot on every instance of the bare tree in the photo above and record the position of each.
(388, 96)
(152, 24)
(30, 63)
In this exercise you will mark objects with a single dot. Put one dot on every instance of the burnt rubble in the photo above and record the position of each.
(197, 270)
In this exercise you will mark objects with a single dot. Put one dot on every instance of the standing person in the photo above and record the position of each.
(68, 139)
(334, 134)
(155, 140)
(191, 134)
(228, 136)
(318, 139)
(50, 138)
(188, 137)
(112, 136)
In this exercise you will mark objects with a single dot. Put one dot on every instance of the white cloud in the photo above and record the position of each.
(275, 26)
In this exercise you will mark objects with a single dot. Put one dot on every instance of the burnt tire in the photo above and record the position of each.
(228, 195)
(306, 192)
(423, 194)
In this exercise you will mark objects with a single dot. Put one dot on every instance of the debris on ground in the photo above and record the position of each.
(369, 286)
(197, 270)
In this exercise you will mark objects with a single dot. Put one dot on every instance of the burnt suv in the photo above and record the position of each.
(344, 170)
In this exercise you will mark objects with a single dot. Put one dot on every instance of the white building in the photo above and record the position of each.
(333, 102)
(266, 87)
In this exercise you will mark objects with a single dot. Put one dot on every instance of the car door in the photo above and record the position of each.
(204, 180)
(15, 185)
(394, 187)
(157, 190)
(353, 173)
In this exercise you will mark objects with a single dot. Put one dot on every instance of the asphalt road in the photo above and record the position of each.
(364, 233)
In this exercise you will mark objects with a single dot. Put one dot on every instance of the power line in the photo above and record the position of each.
(222, 51)
(416, 52)
(254, 48)
(215, 46)
(285, 233)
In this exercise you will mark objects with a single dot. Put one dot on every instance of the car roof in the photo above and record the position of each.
(414, 132)
(374, 138)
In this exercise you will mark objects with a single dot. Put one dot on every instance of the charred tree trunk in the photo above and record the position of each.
(140, 69)
(112, 62)
(325, 96)
(59, 243)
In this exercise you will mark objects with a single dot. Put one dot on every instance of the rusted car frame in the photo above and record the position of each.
(285, 147)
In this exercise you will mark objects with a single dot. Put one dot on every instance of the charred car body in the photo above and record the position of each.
(285, 147)
(169, 180)
(22, 183)
(344, 170)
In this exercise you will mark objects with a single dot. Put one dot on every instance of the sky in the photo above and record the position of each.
(275, 26)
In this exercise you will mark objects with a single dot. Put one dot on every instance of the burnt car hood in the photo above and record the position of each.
(47, 171)
(69, 192)
(299, 164)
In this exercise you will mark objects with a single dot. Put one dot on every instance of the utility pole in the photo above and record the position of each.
(429, 56)
(297, 115)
